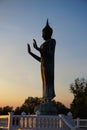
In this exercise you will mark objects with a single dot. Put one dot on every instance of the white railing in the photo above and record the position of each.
(80, 123)
(39, 122)
(15, 122)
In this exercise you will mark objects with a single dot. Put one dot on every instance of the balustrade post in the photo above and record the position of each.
(78, 119)
(10, 116)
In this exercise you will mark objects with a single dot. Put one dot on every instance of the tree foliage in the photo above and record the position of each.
(29, 106)
(79, 103)
(5, 110)
(31, 103)
(61, 108)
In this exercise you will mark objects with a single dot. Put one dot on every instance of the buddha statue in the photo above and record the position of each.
(47, 55)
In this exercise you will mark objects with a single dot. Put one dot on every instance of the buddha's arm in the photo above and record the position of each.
(35, 56)
(32, 54)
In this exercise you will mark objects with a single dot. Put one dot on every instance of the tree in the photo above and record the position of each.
(29, 104)
(0, 110)
(17, 111)
(79, 103)
(6, 109)
(61, 108)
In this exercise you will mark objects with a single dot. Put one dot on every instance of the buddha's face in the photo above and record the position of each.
(46, 35)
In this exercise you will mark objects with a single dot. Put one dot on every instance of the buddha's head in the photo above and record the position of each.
(47, 31)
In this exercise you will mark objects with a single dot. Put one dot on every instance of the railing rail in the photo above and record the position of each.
(4, 122)
(80, 123)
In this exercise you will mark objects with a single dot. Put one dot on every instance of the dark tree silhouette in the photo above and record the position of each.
(79, 103)
(1, 110)
(6, 109)
(29, 106)
(61, 108)
(31, 103)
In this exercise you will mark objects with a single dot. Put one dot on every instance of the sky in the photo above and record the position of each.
(23, 20)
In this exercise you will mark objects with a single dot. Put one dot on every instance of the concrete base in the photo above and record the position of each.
(46, 108)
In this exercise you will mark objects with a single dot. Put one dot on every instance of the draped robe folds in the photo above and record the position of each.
(47, 50)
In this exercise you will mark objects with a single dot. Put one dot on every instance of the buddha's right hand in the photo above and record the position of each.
(29, 49)
(34, 44)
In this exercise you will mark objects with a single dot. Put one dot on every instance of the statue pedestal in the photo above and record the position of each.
(47, 108)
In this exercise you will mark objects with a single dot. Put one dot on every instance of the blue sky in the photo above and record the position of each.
(23, 20)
